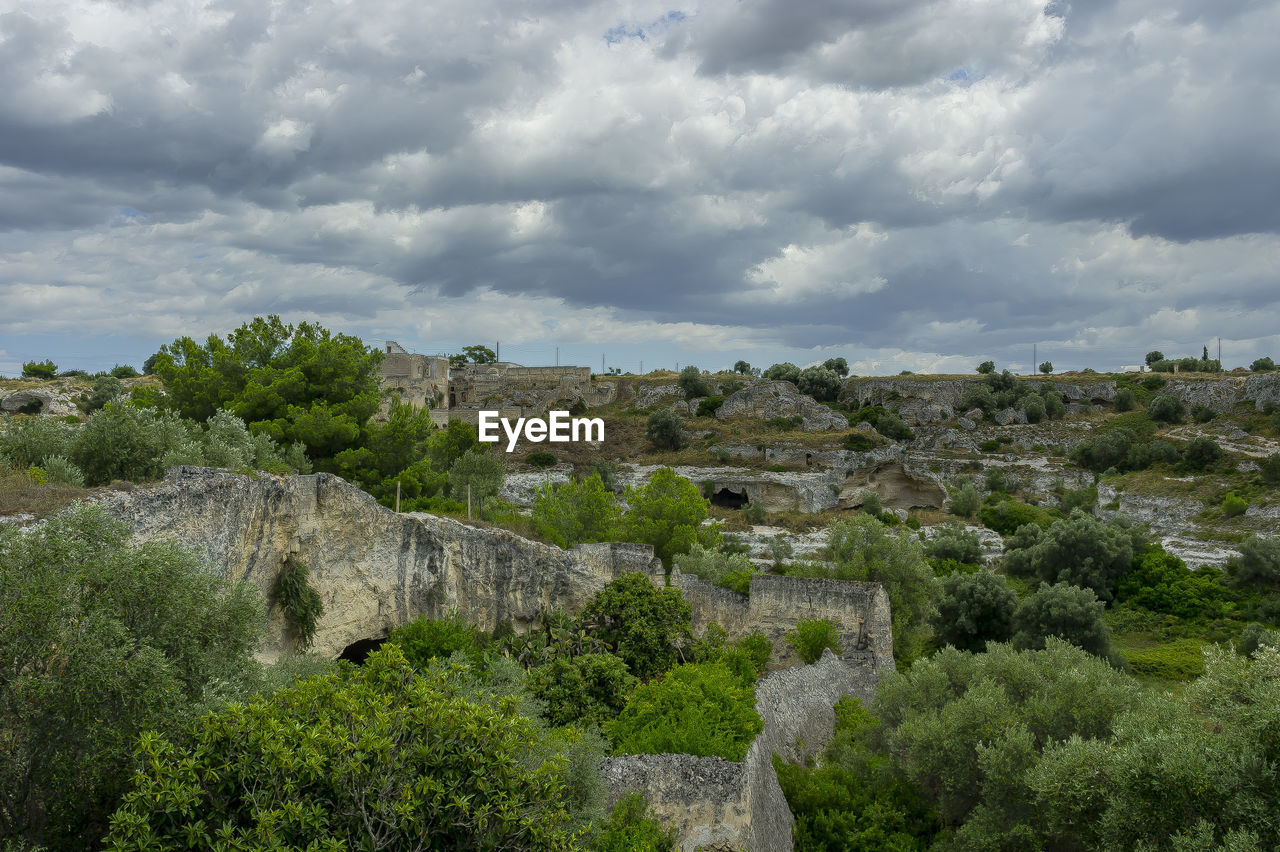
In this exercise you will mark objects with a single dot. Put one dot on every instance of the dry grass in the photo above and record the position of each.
(19, 494)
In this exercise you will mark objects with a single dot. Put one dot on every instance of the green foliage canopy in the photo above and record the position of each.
(642, 624)
(666, 512)
(974, 609)
(570, 513)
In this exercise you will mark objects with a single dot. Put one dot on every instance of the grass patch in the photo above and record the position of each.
(20, 494)
(1175, 661)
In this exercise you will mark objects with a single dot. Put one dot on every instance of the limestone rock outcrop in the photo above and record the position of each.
(374, 569)
(767, 400)
(54, 401)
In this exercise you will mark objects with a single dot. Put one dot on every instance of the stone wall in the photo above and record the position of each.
(374, 569)
(777, 604)
(717, 804)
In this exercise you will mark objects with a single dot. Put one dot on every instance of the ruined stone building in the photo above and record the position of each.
(460, 393)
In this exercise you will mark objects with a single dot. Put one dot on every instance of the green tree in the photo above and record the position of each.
(953, 541)
(294, 383)
(105, 389)
(39, 370)
(99, 641)
(1262, 365)
(1033, 407)
(1153, 356)
(821, 383)
(1065, 611)
(570, 513)
(699, 709)
(123, 442)
(1258, 564)
(124, 371)
(665, 430)
(587, 689)
(862, 548)
(784, 372)
(640, 623)
(891, 426)
(1124, 400)
(477, 473)
(1270, 469)
(424, 640)
(1177, 772)
(1166, 408)
(742, 368)
(813, 636)
(974, 609)
(987, 367)
(964, 500)
(967, 728)
(692, 383)
(839, 366)
(666, 512)
(1081, 550)
(1046, 367)
(376, 757)
(715, 565)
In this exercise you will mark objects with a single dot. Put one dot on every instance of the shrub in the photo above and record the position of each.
(1257, 565)
(541, 458)
(1046, 367)
(570, 513)
(426, 640)
(701, 709)
(39, 370)
(666, 512)
(1201, 453)
(1166, 408)
(1255, 636)
(784, 372)
(871, 504)
(990, 446)
(642, 624)
(1033, 406)
(298, 600)
(1160, 582)
(955, 542)
(821, 383)
(1153, 356)
(100, 641)
(1202, 413)
(1262, 365)
(630, 828)
(709, 406)
(964, 501)
(974, 609)
(1081, 550)
(478, 473)
(1105, 450)
(124, 371)
(58, 469)
(1068, 612)
(753, 513)
(987, 367)
(1233, 505)
(811, 637)
(1005, 515)
(665, 430)
(587, 689)
(1178, 659)
(105, 389)
(1054, 405)
(1270, 468)
(1124, 400)
(712, 565)
(25, 441)
(374, 749)
(891, 426)
(1154, 383)
(692, 383)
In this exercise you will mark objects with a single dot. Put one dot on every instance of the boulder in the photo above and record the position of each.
(966, 424)
(768, 400)
(53, 401)
(1011, 416)
(974, 414)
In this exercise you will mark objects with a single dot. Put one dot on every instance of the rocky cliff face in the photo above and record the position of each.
(374, 569)
(767, 400)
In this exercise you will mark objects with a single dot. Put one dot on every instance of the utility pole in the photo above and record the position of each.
(1034, 365)
(557, 356)
(1219, 351)
(642, 367)
(497, 350)
(602, 365)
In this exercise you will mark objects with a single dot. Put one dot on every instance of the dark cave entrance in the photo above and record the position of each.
(727, 499)
(359, 650)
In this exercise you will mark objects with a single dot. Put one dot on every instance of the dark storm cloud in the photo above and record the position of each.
(928, 176)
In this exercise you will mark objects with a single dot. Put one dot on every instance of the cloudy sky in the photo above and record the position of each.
(912, 184)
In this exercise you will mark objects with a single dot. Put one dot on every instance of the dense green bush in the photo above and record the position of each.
(630, 829)
(1068, 612)
(105, 389)
(1160, 582)
(570, 513)
(701, 709)
(974, 609)
(1002, 513)
(1200, 453)
(665, 430)
(714, 565)
(1081, 550)
(541, 458)
(587, 689)
(1033, 406)
(1270, 469)
(692, 383)
(821, 383)
(425, 640)
(709, 406)
(1124, 400)
(1258, 564)
(642, 624)
(854, 801)
(954, 541)
(966, 729)
(784, 372)
(1262, 365)
(964, 500)
(987, 367)
(813, 636)
(378, 755)
(891, 426)
(666, 512)
(100, 641)
(39, 370)
(1233, 505)
(124, 371)
(1166, 408)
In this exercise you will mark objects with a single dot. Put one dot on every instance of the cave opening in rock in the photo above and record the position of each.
(359, 650)
(728, 499)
